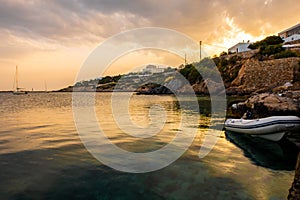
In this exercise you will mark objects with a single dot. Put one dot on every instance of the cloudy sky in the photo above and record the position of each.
(50, 39)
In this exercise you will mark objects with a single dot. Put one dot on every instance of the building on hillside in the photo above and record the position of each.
(239, 47)
(293, 39)
(152, 69)
(291, 35)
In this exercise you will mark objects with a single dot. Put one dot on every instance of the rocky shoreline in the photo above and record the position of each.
(268, 104)
(269, 86)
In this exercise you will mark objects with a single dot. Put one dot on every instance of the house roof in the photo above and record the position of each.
(240, 43)
(289, 29)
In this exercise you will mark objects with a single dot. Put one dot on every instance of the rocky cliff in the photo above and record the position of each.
(243, 73)
(262, 76)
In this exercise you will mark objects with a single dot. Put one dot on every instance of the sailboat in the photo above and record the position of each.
(46, 90)
(17, 89)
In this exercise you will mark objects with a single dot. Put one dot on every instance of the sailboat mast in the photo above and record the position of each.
(45, 86)
(17, 81)
(16, 84)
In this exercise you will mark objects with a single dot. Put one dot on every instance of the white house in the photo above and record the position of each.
(291, 35)
(292, 39)
(152, 69)
(239, 47)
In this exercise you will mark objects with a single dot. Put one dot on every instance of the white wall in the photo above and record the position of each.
(241, 47)
(292, 38)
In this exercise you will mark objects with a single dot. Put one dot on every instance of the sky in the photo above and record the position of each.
(49, 40)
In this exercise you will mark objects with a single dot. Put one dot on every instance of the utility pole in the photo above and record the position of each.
(185, 59)
(200, 43)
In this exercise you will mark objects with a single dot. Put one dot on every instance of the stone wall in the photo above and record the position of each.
(265, 75)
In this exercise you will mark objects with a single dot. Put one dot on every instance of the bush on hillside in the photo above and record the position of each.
(271, 49)
(190, 73)
(224, 53)
(270, 40)
(285, 54)
(233, 60)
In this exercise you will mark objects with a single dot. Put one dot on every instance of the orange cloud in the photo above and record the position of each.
(51, 39)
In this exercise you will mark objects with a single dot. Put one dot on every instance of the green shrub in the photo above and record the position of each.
(216, 60)
(270, 40)
(233, 60)
(273, 40)
(224, 53)
(190, 73)
(223, 64)
(271, 49)
(186, 70)
(193, 76)
(116, 78)
(104, 80)
(285, 54)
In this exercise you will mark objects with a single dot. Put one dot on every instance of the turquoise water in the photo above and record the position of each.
(42, 157)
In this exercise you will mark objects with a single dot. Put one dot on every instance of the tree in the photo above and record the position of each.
(104, 80)
(186, 70)
(270, 40)
(224, 53)
(194, 76)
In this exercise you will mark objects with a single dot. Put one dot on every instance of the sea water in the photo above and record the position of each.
(42, 156)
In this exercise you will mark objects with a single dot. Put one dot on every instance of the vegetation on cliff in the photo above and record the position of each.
(272, 45)
(268, 41)
(259, 70)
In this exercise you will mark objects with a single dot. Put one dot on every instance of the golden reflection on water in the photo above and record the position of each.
(139, 108)
(223, 161)
(35, 126)
(45, 122)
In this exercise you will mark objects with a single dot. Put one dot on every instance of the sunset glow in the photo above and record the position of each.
(49, 40)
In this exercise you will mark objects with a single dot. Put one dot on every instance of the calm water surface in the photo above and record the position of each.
(42, 157)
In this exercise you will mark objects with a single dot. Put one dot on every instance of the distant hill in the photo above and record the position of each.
(267, 68)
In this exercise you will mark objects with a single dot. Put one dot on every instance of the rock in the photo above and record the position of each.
(296, 86)
(186, 89)
(239, 105)
(294, 192)
(283, 88)
(271, 104)
(202, 87)
(272, 99)
(174, 84)
(153, 90)
(239, 80)
(235, 91)
(280, 89)
(106, 87)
